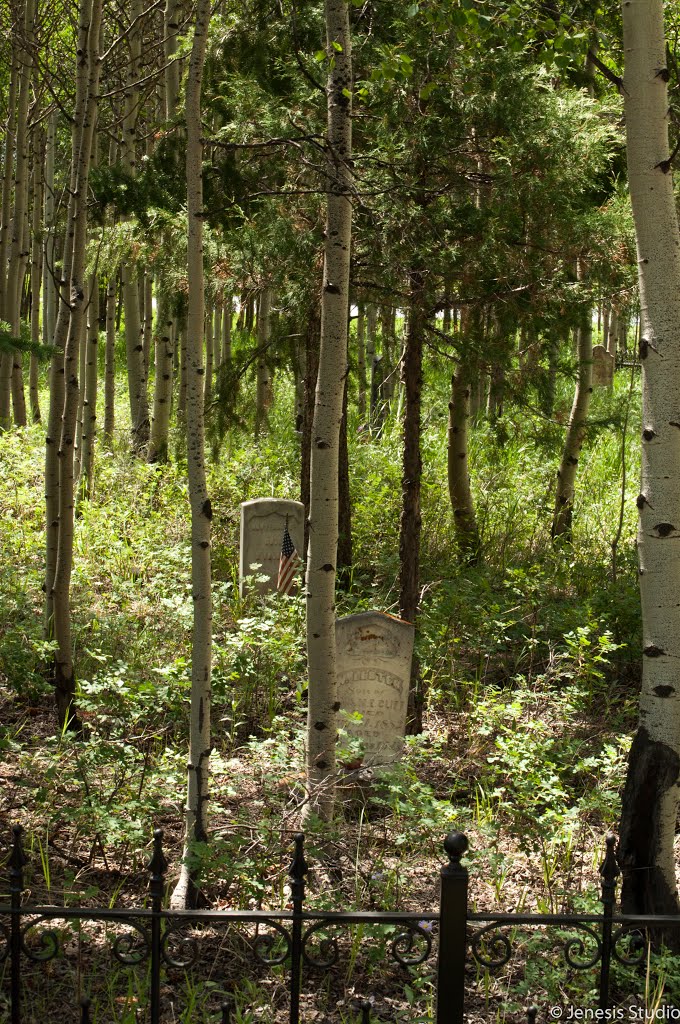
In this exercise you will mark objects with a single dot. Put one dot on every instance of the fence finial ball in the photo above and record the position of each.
(456, 844)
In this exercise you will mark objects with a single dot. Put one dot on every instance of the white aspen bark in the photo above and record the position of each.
(371, 325)
(12, 363)
(226, 329)
(134, 346)
(650, 799)
(186, 892)
(147, 330)
(89, 66)
(218, 313)
(89, 412)
(82, 358)
(263, 376)
(323, 511)
(49, 286)
(162, 394)
(209, 357)
(7, 178)
(171, 27)
(36, 267)
(110, 358)
(576, 432)
(458, 473)
(361, 361)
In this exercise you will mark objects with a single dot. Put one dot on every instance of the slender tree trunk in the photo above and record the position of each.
(323, 513)
(110, 358)
(371, 328)
(36, 268)
(465, 523)
(162, 395)
(186, 892)
(650, 798)
(576, 431)
(50, 290)
(227, 314)
(89, 421)
(361, 361)
(209, 358)
(134, 330)
(345, 557)
(11, 375)
(90, 19)
(411, 521)
(7, 179)
(263, 374)
(312, 334)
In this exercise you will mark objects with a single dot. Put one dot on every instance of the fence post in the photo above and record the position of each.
(609, 872)
(17, 860)
(296, 874)
(157, 868)
(452, 933)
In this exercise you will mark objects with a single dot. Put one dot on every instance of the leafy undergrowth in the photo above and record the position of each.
(530, 668)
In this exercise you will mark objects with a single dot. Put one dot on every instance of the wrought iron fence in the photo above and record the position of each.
(299, 940)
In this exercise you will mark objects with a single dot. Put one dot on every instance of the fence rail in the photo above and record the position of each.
(297, 939)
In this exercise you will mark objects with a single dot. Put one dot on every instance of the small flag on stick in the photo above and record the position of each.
(288, 564)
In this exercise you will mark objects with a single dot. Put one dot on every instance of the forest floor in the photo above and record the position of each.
(531, 667)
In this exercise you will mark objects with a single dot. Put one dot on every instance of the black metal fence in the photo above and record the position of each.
(298, 941)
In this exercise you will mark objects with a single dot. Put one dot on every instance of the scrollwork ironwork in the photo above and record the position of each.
(132, 949)
(500, 947)
(574, 947)
(186, 952)
(404, 942)
(638, 944)
(264, 945)
(48, 942)
(329, 952)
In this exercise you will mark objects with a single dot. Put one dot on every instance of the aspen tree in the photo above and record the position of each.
(576, 431)
(36, 266)
(89, 66)
(186, 892)
(323, 511)
(650, 798)
(134, 347)
(263, 374)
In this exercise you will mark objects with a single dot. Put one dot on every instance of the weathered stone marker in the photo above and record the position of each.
(262, 523)
(374, 653)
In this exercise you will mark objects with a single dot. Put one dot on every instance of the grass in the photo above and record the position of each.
(530, 662)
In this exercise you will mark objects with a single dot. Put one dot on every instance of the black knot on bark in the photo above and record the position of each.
(320, 726)
(652, 651)
(204, 544)
(664, 691)
(332, 289)
(664, 529)
(336, 706)
(327, 567)
(648, 434)
(206, 509)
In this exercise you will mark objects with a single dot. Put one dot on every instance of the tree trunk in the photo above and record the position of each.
(162, 391)
(411, 521)
(209, 358)
(36, 267)
(650, 798)
(576, 431)
(110, 358)
(227, 314)
(345, 558)
(311, 360)
(89, 421)
(465, 523)
(263, 375)
(134, 330)
(323, 512)
(90, 19)
(186, 892)
(361, 362)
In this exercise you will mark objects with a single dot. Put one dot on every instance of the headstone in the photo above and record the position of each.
(262, 524)
(603, 367)
(374, 653)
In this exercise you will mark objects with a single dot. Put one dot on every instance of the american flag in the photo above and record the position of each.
(288, 564)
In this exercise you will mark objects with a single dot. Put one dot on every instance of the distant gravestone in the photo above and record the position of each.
(262, 524)
(603, 367)
(374, 653)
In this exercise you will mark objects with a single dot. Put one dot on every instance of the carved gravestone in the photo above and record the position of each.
(603, 367)
(262, 524)
(374, 653)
